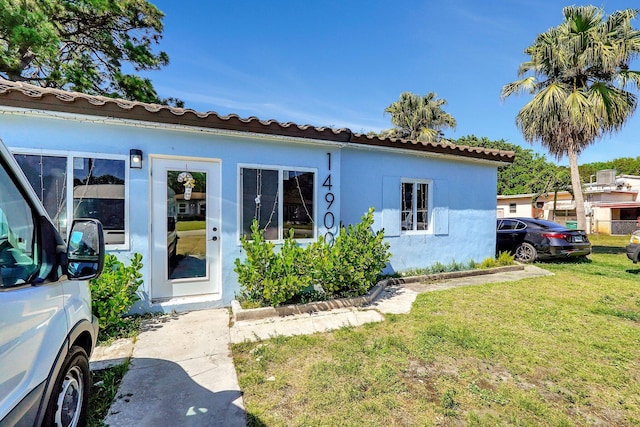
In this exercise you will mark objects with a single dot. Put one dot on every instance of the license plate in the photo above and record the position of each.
(578, 239)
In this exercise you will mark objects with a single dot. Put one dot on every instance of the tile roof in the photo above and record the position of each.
(24, 95)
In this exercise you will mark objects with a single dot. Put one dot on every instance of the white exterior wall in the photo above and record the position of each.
(523, 207)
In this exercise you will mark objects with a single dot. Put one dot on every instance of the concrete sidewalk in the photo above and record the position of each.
(182, 372)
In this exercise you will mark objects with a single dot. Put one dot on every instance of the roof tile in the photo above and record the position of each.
(24, 95)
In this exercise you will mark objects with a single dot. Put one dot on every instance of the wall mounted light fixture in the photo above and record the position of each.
(135, 158)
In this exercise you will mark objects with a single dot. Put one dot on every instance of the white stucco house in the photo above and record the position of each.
(180, 187)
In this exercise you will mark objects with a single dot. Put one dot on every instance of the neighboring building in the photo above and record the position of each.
(202, 178)
(612, 205)
(524, 205)
(519, 205)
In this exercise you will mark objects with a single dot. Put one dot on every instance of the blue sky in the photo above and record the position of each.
(341, 63)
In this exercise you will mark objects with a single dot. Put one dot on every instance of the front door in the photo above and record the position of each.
(185, 227)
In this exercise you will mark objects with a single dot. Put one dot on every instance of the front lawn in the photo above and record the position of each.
(558, 350)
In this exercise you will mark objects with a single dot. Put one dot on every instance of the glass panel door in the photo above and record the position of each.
(186, 224)
(185, 228)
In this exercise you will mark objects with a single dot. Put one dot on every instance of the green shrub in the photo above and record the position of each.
(253, 272)
(348, 268)
(438, 267)
(115, 291)
(267, 277)
(488, 263)
(457, 266)
(505, 258)
(287, 276)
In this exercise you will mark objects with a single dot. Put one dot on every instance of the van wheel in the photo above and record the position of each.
(526, 253)
(70, 397)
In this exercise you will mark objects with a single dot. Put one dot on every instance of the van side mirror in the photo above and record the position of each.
(85, 250)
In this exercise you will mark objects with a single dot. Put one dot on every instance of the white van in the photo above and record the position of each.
(47, 331)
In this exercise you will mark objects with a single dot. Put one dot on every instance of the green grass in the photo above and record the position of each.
(104, 389)
(130, 328)
(561, 350)
(190, 225)
(106, 381)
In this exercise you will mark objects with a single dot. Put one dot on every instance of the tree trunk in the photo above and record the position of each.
(577, 190)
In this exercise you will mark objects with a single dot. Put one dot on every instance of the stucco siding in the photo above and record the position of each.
(348, 180)
(463, 205)
(61, 136)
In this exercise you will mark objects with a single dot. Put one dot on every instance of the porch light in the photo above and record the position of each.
(135, 158)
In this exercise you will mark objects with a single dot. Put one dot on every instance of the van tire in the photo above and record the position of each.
(70, 397)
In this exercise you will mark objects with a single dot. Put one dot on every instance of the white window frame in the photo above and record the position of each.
(280, 170)
(70, 155)
(430, 225)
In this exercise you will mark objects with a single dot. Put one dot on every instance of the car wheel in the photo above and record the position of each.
(526, 253)
(70, 397)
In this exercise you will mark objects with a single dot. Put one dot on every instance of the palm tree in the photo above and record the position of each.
(552, 182)
(578, 74)
(418, 118)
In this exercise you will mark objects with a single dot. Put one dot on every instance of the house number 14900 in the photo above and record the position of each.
(329, 197)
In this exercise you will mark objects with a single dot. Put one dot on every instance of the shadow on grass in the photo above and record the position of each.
(254, 421)
(634, 271)
(608, 250)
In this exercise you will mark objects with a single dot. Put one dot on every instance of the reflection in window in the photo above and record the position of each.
(415, 202)
(260, 201)
(186, 226)
(18, 263)
(48, 177)
(97, 188)
(261, 190)
(98, 192)
(297, 190)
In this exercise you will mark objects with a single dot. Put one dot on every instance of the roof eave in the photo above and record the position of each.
(29, 97)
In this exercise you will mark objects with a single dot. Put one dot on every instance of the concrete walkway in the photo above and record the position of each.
(182, 372)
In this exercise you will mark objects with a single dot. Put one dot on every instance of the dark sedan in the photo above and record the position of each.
(531, 239)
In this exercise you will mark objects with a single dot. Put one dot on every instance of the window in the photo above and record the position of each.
(512, 208)
(415, 206)
(18, 258)
(98, 192)
(48, 177)
(511, 224)
(80, 187)
(280, 199)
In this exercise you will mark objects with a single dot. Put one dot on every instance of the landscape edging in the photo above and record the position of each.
(240, 314)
